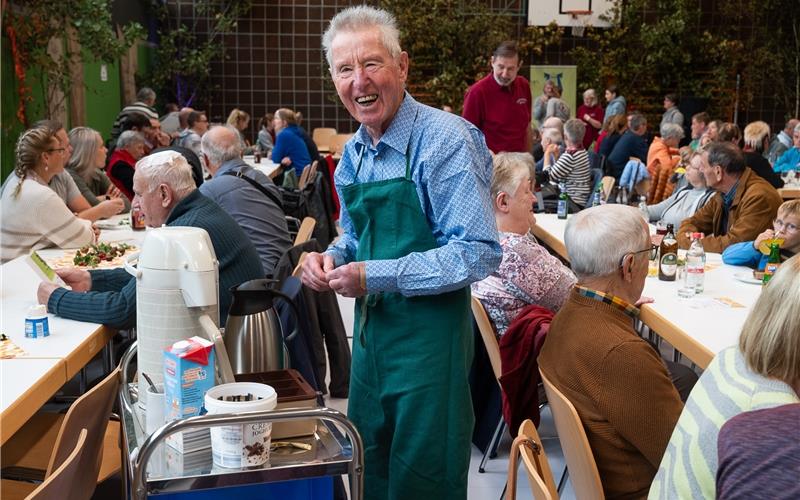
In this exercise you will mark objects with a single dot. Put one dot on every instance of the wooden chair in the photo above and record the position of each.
(322, 138)
(528, 445)
(47, 439)
(305, 231)
(60, 484)
(608, 184)
(575, 445)
(337, 143)
(298, 269)
(308, 175)
(493, 350)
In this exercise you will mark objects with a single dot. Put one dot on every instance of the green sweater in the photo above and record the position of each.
(727, 388)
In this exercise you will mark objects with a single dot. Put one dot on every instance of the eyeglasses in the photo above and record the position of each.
(788, 227)
(653, 249)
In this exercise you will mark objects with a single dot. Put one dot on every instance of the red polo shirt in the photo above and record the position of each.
(502, 113)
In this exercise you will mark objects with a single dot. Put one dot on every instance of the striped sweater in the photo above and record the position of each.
(727, 388)
(37, 218)
(573, 169)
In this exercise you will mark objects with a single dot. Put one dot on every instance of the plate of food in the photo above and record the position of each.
(751, 277)
(95, 256)
(114, 224)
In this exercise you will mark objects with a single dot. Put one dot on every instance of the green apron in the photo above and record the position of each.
(409, 394)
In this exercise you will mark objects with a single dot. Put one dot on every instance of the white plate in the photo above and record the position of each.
(111, 224)
(747, 277)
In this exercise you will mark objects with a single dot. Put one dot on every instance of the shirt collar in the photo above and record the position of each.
(398, 135)
(728, 197)
(609, 299)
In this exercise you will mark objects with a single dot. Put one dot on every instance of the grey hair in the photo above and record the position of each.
(590, 92)
(129, 138)
(509, 169)
(84, 150)
(598, 238)
(553, 135)
(574, 131)
(796, 128)
(754, 134)
(220, 151)
(671, 131)
(637, 120)
(361, 18)
(167, 167)
(146, 94)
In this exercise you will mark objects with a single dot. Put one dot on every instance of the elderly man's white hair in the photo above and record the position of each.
(360, 18)
(221, 144)
(671, 131)
(167, 167)
(597, 238)
(129, 138)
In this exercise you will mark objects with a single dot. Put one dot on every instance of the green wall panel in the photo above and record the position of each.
(103, 98)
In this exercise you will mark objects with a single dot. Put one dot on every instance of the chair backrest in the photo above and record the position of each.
(582, 467)
(337, 142)
(60, 485)
(91, 412)
(298, 269)
(528, 445)
(608, 184)
(306, 230)
(488, 336)
(322, 137)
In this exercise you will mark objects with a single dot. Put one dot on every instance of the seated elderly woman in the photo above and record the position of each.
(662, 158)
(122, 164)
(690, 194)
(528, 274)
(33, 215)
(86, 168)
(790, 160)
(572, 167)
(763, 371)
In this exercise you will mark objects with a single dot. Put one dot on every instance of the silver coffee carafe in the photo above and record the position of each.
(253, 333)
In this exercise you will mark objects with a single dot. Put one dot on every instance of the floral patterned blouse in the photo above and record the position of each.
(528, 274)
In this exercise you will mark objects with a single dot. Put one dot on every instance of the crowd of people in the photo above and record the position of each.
(435, 206)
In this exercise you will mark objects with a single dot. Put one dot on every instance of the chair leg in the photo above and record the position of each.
(563, 481)
(491, 448)
(503, 494)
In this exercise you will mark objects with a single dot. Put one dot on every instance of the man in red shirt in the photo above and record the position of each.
(500, 103)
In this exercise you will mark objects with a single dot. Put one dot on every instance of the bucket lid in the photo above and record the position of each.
(268, 395)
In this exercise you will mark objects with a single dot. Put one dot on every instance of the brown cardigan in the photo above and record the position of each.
(620, 388)
(754, 207)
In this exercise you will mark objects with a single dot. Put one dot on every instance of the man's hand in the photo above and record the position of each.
(78, 279)
(316, 266)
(111, 207)
(766, 235)
(45, 290)
(347, 280)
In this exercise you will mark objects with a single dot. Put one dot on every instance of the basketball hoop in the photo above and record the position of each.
(579, 21)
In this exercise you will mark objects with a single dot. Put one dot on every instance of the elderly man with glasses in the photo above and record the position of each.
(622, 390)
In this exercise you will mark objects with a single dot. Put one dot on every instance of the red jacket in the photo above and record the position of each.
(520, 378)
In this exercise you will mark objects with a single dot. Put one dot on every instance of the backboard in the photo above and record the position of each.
(543, 12)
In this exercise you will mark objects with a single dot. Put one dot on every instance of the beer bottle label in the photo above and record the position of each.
(669, 264)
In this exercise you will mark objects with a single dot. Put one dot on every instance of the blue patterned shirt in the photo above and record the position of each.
(452, 169)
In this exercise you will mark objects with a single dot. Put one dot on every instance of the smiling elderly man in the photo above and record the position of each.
(167, 195)
(417, 230)
(500, 103)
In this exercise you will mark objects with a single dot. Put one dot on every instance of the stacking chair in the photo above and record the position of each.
(528, 445)
(60, 484)
(322, 138)
(493, 350)
(575, 445)
(337, 143)
(43, 444)
(305, 231)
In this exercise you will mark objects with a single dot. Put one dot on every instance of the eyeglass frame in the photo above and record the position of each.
(785, 226)
(653, 253)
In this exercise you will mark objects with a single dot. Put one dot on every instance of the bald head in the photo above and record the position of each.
(221, 144)
(554, 122)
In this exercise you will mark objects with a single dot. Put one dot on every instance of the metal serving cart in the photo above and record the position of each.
(151, 468)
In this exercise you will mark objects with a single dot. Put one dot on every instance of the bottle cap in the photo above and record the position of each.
(180, 346)
(37, 311)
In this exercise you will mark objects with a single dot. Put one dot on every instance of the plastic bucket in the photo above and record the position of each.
(242, 445)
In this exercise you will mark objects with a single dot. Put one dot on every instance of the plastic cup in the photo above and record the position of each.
(242, 445)
(154, 413)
